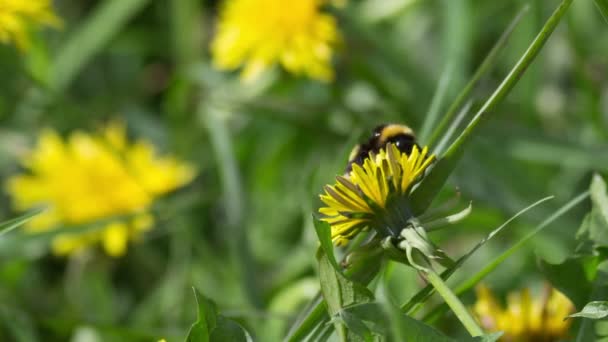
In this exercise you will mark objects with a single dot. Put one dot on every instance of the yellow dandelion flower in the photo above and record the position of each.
(17, 17)
(356, 202)
(87, 178)
(259, 33)
(525, 318)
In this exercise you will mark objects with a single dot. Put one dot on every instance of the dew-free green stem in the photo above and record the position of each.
(454, 303)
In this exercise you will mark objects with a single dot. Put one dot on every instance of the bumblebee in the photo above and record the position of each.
(401, 135)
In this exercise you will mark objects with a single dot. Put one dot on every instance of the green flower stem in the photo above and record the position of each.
(454, 303)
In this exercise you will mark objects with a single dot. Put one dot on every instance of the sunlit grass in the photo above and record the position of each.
(509, 97)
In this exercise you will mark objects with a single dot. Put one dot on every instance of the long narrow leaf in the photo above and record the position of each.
(468, 284)
(11, 224)
(602, 6)
(105, 22)
(424, 195)
(473, 280)
(436, 103)
(416, 301)
(481, 71)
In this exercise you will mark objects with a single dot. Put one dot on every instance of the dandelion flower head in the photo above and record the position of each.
(256, 34)
(357, 202)
(17, 17)
(88, 178)
(525, 318)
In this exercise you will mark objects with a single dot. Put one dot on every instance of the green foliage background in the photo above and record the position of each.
(242, 233)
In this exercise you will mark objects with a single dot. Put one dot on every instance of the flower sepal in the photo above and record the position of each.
(414, 248)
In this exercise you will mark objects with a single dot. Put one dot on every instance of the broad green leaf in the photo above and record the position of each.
(493, 337)
(386, 319)
(210, 326)
(228, 330)
(593, 232)
(599, 196)
(407, 329)
(339, 292)
(323, 230)
(366, 320)
(593, 310)
(11, 224)
(383, 319)
(570, 278)
(206, 319)
(602, 6)
(362, 270)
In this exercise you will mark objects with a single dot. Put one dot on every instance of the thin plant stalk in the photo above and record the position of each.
(454, 303)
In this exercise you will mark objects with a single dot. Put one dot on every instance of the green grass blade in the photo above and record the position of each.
(106, 21)
(186, 30)
(602, 6)
(472, 281)
(228, 169)
(468, 284)
(426, 192)
(447, 136)
(11, 224)
(417, 300)
(214, 122)
(560, 153)
(483, 68)
(436, 103)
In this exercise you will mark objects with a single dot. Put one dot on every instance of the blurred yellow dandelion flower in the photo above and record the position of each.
(91, 177)
(525, 318)
(259, 33)
(17, 17)
(385, 180)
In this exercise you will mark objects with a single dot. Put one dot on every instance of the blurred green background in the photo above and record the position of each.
(242, 231)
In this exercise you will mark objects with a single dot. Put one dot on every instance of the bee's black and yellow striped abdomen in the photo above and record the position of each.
(401, 135)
